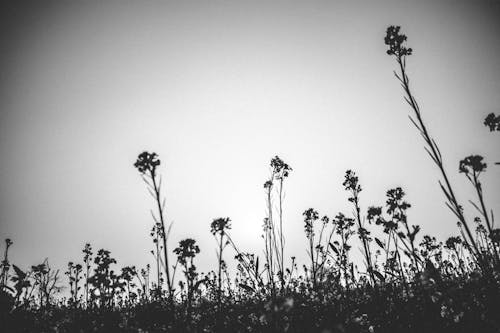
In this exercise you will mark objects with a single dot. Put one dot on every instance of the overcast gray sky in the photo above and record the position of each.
(217, 88)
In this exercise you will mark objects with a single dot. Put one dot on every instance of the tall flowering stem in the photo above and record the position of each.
(219, 228)
(281, 170)
(5, 264)
(351, 184)
(273, 235)
(397, 48)
(147, 164)
(310, 217)
(472, 167)
(186, 251)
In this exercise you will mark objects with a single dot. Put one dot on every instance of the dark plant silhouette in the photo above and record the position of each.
(274, 238)
(396, 208)
(87, 260)
(472, 167)
(105, 282)
(46, 280)
(397, 48)
(218, 228)
(74, 276)
(310, 218)
(147, 164)
(492, 122)
(344, 228)
(186, 251)
(351, 184)
(5, 264)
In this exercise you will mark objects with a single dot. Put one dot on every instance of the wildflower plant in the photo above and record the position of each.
(105, 281)
(344, 228)
(351, 184)
(472, 167)
(186, 252)
(219, 228)
(147, 164)
(273, 235)
(74, 274)
(492, 122)
(87, 261)
(396, 43)
(5, 266)
(396, 208)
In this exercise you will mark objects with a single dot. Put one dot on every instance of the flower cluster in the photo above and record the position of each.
(147, 162)
(492, 122)
(395, 41)
(187, 249)
(280, 168)
(220, 225)
(472, 165)
(310, 216)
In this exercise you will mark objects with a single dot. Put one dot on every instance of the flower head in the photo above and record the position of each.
(268, 184)
(374, 213)
(310, 216)
(280, 169)
(147, 162)
(472, 164)
(452, 242)
(220, 225)
(395, 41)
(351, 182)
(187, 249)
(492, 122)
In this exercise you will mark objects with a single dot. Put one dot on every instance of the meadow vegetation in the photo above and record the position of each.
(408, 280)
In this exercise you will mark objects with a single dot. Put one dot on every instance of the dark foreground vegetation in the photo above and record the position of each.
(407, 282)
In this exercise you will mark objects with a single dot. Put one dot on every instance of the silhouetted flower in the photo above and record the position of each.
(452, 242)
(147, 162)
(310, 216)
(280, 169)
(374, 214)
(351, 182)
(492, 122)
(187, 249)
(395, 41)
(343, 223)
(395, 200)
(220, 225)
(472, 164)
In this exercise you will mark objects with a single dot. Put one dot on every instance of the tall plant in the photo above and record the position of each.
(218, 228)
(147, 164)
(397, 48)
(351, 184)
(273, 234)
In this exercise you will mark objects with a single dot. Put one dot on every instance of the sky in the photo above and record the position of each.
(216, 89)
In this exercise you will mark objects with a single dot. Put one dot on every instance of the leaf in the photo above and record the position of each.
(408, 254)
(334, 249)
(379, 243)
(379, 275)
(246, 287)
(20, 274)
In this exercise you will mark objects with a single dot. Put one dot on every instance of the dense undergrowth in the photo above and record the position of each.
(406, 283)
